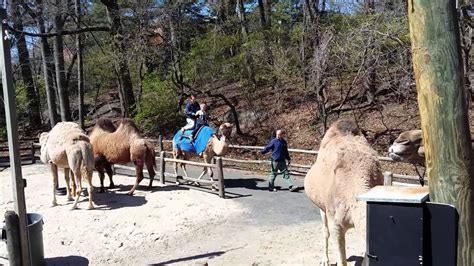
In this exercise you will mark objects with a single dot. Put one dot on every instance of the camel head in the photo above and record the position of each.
(408, 147)
(220, 146)
(43, 138)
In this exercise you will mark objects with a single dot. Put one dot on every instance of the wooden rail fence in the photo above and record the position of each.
(389, 177)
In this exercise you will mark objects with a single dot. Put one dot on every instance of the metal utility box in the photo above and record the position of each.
(404, 228)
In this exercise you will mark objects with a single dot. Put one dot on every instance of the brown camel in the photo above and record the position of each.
(215, 146)
(121, 145)
(67, 146)
(346, 167)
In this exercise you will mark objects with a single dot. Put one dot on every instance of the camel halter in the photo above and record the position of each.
(421, 178)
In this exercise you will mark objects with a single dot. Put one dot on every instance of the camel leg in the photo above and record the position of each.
(324, 220)
(73, 181)
(89, 189)
(151, 170)
(54, 171)
(77, 174)
(110, 173)
(100, 169)
(339, 236)
(68, 186)
(139, 173)
(183, 166)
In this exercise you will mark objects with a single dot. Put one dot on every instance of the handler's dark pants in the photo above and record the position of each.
(279, 168)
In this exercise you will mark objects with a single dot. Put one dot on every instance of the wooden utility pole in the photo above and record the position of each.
(437, 64)
(12, 130)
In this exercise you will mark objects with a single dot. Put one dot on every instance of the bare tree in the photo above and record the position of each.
(25, 68)
(80, 64)
(59, 63)
(125, 85)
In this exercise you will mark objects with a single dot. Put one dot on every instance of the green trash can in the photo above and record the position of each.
(35, 235)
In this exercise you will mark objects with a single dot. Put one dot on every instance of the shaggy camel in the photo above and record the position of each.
(121, 145)
(68, 147)
(212, 146)
(346, 167)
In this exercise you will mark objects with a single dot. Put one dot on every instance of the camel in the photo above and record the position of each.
(121, 145)
(67, 146)
(207, 149)
(408, 147)
(346, 167)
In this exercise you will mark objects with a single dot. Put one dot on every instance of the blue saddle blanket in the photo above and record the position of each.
(200, 142)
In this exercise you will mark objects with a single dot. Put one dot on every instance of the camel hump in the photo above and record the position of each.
(129, 123)
(347, 127)
(106, 124)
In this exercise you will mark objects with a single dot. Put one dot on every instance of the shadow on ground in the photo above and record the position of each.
(209, 255)
(249, 183)
(111, 200)
(69, 260)
(357, 259)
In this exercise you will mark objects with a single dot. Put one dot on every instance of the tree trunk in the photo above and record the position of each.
(438, 69)
(59, 65)
(80, 65)
(244, 30)
(127, 97)
(261, 9)
(268, 13)
(26, 74)
(48, 72)
(175, 44)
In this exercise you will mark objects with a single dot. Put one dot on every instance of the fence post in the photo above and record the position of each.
(160, 142)
(220, 177)
(12, 225)
(387, 178)
(33, 159)
(162, 166)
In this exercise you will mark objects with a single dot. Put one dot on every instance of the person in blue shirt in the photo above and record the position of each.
(280, 156)
(190, 112)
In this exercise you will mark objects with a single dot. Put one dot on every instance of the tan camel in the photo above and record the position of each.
(215, 146)
(346, 167)
(67, 146)
(121, 145)
(408, 147)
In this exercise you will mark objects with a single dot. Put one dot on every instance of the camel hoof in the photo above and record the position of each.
(70, 199)
(130, 193)
(112, 185)
(102, 190)
(214, 187)
(74, 207)
(196, 184)
(91, 207)
(54, 204)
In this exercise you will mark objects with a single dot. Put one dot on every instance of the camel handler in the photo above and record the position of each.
(280, 155)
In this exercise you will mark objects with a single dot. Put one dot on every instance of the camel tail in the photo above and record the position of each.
(150, 154)
(87, 164)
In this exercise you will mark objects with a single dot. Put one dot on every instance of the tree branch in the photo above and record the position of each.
(61, 33)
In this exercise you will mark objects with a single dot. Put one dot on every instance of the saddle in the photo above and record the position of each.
(200, 140)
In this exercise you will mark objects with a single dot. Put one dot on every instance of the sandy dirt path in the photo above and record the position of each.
(175, 225)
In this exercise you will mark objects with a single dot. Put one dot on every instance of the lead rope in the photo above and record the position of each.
(421, 178)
